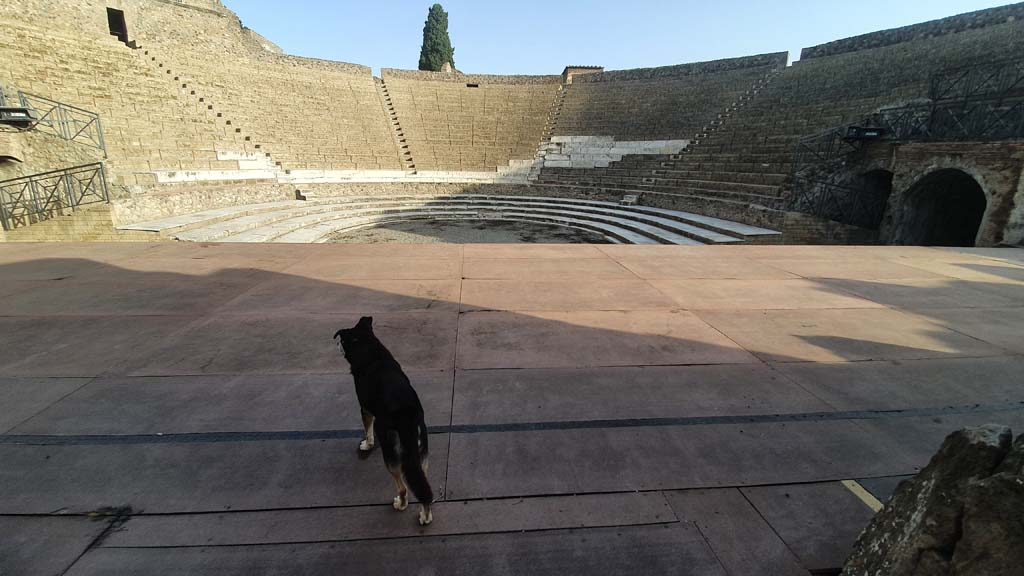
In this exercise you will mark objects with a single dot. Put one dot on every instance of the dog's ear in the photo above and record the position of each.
(338, 333)
(366, 323)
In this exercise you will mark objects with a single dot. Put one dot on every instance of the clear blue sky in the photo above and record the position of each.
(542, 36)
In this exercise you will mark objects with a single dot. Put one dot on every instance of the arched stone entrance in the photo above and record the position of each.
(944, 208)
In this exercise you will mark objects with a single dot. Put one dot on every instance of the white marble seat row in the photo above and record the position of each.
(333, 218)
(285, 221)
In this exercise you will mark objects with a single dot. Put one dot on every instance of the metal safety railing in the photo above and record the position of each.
(30, 199)
(68, 122)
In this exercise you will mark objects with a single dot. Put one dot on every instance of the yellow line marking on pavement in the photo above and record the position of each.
(865, 496)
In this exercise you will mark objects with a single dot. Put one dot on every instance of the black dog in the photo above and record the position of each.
(392, 410)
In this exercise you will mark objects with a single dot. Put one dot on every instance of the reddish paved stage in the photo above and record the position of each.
(593, 409)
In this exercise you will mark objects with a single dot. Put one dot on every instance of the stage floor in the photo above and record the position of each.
(593, 409)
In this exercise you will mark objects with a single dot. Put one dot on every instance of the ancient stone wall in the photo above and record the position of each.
(470, 122)
(38, 152)
(925, 30)
(72, 59)
(996, 167)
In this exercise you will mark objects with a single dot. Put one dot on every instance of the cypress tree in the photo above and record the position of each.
(437, 47)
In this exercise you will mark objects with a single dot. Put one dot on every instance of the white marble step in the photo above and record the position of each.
(272, 230)
(320, 209)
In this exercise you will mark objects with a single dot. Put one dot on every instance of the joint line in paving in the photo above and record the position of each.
(217, 437)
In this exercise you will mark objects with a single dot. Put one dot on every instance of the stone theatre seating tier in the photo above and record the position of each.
(748, 157)
(308, 113)
(470, 122)
(666, 103)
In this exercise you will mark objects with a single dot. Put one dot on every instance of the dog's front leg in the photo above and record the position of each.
(367, 444)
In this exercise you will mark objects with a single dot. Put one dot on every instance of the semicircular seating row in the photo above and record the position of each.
(316, 219)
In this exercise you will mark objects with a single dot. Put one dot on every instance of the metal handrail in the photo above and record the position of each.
(30, 199)
(69, 122)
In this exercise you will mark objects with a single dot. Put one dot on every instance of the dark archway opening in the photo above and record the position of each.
(945, 208)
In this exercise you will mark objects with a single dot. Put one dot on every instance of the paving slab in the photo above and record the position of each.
(591, 338)
(198, 477)
(44, 545)
(977, 270)
(328, 267)
(145, 294)
(532, 251)
(587, 269)
(842, 335)
(565, 394)
(1007, 254)
(196, 262)
(742, 541)
(373, 522)
(562, 295)
(883, 488)
(864, 268)
(702, 267)
(902, 384)
(999, 327)
(23, 398)
(44, 267)
(587, 460)
(382, 251)
(204, 404)
(79, 346)
(707, 294)
(249, 344)
(920, 438)
(294, 294)
(931, 293)
(673, 549)
(818, 522)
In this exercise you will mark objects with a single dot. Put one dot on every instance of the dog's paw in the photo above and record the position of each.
(365, 446)
(426, 517)
(399, 503)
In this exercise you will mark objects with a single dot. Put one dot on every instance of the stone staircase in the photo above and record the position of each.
(404, 154)
(315, 219)
(549, 131)
(720, 172)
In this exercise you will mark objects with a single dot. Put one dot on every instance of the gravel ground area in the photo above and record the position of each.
(467, 232)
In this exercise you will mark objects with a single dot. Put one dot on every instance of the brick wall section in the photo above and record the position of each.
(934, 28)
(451, 126)
(666, 103)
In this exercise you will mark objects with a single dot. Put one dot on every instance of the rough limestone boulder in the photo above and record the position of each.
(962, 515)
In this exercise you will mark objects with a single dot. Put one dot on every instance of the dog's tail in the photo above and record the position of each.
(413, 436)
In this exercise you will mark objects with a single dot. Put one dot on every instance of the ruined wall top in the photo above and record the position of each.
(941, 27)
(458, 77)
(777, 59)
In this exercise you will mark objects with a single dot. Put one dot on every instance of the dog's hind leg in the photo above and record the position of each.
(426, 517)
(389, 448)
(401, 502)
(367, 444)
